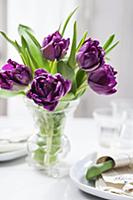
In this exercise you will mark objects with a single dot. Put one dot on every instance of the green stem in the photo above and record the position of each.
(54, 67)
(49, 145)
(50, 135)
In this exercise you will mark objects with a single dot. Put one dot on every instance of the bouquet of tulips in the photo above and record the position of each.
(58, 69)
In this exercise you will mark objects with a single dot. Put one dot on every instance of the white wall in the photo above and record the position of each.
(102, 18)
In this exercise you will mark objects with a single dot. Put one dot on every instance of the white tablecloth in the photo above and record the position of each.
(18, 181)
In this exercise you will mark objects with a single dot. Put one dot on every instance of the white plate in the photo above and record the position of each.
(14, 129)
(13, 155)
(77, 175)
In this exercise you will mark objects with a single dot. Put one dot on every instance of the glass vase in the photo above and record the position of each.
(48, 148)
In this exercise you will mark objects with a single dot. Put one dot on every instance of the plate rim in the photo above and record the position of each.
(8, 156)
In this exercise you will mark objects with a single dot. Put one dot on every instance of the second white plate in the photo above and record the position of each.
(77, 173)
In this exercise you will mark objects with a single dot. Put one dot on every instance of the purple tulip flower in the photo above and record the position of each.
(46, 89)
(5, 81)
(54, 46)
(90, 56)
(13, 74)
(103, 80)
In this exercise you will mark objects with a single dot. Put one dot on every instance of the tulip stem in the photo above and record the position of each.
(54, 67)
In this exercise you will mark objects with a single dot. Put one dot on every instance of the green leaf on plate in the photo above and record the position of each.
(72, 59)
(82, 41)
(67, 21)
(108, 42)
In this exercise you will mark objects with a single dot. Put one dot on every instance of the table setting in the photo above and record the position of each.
(53, 155)
(13, 138)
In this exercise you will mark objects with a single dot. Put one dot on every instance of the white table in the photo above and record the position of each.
(18, 181)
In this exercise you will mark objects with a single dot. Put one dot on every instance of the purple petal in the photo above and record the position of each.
(7, 67)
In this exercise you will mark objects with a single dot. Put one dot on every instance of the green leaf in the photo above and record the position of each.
(30, 32)
(27, 28)
(107, 58)
(66, 71)
(34, 50)
(23, 42)
(59, 28)
(14, 43)
(31, 61)
(81, 77)
(81, 90)
(71, 59)
(74, 87)
(23, 52)
(68, 97)
(67, 21)
(82, 41)
(17, 46)
(23, 59)
(112, 47)
(9, 93)
(108, 42)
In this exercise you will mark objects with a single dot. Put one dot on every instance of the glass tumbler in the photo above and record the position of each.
(109, 125)
(125, 140)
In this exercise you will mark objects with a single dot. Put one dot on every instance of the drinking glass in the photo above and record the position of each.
(125, 140)
(109, 125)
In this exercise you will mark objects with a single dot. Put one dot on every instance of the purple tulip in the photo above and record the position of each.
(54, 46)
(13, 74)
(5, 81)
(90, 56)
(46, 89)
(103, 80)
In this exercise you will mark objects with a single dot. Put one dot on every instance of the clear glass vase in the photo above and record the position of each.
(48, 148)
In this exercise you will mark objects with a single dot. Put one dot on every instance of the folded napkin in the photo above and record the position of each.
(13, 140)
(120, 179)
(120, 159)
(122, 189)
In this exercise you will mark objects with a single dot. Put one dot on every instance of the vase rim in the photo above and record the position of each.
(73, 103)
